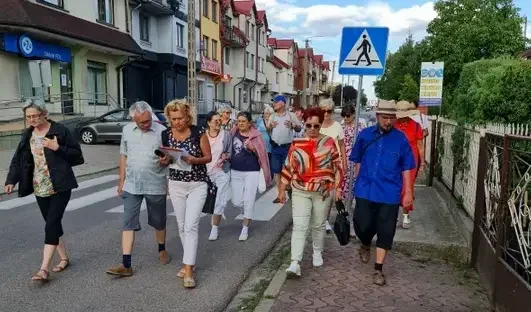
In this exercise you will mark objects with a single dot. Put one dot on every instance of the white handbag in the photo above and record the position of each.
(261, 182)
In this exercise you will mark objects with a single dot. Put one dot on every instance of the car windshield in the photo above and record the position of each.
(160, 116)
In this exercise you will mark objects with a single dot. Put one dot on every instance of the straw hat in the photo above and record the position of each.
(386, 107)
(406, 109)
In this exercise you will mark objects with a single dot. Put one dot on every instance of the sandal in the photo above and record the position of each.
(189, 282)
(61, 266)
(180, 274)
(41, 276)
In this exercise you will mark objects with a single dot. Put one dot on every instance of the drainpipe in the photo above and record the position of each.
(244, 72)
(118, 70)
(127, 21)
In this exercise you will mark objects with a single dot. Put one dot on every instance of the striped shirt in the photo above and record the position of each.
(313, 165)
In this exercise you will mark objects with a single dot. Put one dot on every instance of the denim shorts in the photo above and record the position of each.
(156, 208)
(278, 157)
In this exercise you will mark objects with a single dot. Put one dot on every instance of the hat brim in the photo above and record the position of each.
(409, 113)
(386, 112)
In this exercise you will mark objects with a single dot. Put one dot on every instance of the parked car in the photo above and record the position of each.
(108, 127)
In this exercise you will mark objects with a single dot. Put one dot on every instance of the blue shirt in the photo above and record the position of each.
(260, 125)
(381, 164)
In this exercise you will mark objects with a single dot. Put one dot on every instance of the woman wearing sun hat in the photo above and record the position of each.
(415, 136)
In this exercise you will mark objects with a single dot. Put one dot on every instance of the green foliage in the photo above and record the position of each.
(440, 155)
(459, 147)
(349, 95)
(410, 89)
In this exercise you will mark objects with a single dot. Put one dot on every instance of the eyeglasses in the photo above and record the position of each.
(328, 111)
(347, 115)
(30, 117)
(314, 126)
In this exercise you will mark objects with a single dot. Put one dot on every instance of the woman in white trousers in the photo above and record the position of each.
(188, 179)
(313, 169)
(248, 160)
(219, 168)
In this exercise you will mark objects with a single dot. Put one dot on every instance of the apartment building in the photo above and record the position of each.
(160, 27)
(276, 71)
(283, 52)
(325, 80)
(244, 34)
(84, 42)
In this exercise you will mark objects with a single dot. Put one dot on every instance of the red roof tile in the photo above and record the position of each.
(244, 7)
(261, 18)
(326, 65)
(30, 15)
(278, 63)
(318, 59)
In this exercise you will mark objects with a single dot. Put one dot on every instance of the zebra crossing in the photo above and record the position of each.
(102, 191)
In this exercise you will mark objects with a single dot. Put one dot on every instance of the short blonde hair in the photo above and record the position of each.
(327, 103)
(182, 106)
(268, 109)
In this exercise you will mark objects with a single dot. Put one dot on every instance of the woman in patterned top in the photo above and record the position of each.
(313, 168)
(188, 184)
(42, 165)
(227, 123)
(348, 124)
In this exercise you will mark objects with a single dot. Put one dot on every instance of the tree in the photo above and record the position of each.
(349, 94)
(410, 89)
(364, 99)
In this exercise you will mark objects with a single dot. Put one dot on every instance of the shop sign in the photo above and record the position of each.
(32, 48)
(210, 66)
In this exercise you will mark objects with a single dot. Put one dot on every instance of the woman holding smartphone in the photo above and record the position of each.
(42, 165)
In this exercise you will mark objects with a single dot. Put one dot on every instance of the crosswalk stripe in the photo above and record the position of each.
(264, 209)
(92, 198)
(21, 201)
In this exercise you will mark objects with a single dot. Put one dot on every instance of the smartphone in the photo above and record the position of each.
(49, 136)
(159, 153)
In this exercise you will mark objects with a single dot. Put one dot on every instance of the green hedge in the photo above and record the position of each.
(497, 90)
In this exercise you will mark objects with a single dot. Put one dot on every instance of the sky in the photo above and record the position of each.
(321, 22)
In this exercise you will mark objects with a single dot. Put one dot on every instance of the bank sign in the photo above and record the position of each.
(31, 48)
(431, 83)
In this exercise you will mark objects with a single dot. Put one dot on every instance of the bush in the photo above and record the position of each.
(497, 90)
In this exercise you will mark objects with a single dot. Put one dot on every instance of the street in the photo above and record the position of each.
(92, 226)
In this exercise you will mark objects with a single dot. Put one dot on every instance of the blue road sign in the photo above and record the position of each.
(363, 51)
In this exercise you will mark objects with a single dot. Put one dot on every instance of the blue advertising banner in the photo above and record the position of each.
(32, 48)
(431, 83)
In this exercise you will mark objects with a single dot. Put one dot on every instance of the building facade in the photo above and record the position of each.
(80, 65)
(283, 51)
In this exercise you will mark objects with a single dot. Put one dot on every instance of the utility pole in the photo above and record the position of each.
(525, 27)
(305, 78)
(333, 72)
(341, 93)
(192, 81)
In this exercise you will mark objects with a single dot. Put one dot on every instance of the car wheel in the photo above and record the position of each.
(88, 136)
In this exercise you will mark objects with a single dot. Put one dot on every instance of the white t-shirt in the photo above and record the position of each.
(216, 149)
(422, 120)
(281, 134)
(335, 131)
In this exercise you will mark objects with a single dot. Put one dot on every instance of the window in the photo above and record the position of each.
(97, 83)
(214, 50)
(247, 28)
(247, 58)
(58, 3)
(277, 77)
(262, 65)
(116, 116)
(205, 8)
(106, 11)
(214, 11)
(205, 46)
(180, 36)
(201, 103)
(252, 61)
(144, 27)
(26, 85)
(226, 55)
(252, 32)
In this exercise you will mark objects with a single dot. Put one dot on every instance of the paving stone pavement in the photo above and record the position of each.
(413, 285)
(97, 158)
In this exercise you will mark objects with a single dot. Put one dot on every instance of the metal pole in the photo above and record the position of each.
(192, 81)
(341, 93)
(356, 123)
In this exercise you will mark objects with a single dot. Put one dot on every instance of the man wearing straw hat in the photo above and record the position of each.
(383, 160)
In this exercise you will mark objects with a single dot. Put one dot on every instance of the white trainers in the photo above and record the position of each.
(244, 234)
(317, 259)
(213, 234)
(406, 222)
(328, 227)
(294, 270)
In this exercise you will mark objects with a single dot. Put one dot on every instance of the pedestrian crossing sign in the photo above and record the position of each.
(363, 51)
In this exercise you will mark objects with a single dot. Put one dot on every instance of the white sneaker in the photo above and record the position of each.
(328, 227)
(317, 259)
(406, 222)
(244, 234)
(294, 270)
(213, 234)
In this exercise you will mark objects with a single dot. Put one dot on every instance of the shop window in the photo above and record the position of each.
(97, 83)
(106, 11)
(26, 84)
(144, 27)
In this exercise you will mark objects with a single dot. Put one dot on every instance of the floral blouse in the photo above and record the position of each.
(193, 147)
(228, 126)
(313, 165)
(349, 133)
(42, 183)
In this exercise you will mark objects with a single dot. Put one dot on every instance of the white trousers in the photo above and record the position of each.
(244, 186)
(308, 207)
(188, 199)
(221, 179)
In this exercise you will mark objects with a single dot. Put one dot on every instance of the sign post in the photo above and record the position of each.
(431, 84)
(363, 53)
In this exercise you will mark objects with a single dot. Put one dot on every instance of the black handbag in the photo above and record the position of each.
(342, 224)
(210, 202)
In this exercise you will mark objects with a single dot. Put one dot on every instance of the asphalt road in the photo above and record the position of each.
(92, 230)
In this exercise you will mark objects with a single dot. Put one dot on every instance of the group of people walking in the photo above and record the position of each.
(306, 151)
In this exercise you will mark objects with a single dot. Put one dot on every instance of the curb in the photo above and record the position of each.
(272, 291)
(78, 176)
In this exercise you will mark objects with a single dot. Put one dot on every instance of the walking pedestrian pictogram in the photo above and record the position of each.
(363, 51)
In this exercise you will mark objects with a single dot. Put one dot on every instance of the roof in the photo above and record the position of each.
(261, 18)
(244, 7)
(326, 65)
(26, 14)
(318, 59)
(278, 63)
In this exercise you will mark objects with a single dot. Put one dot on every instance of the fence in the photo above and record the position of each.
(488, 169)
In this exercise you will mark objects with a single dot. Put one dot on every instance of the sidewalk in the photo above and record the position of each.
(98, 158)
(415, 280)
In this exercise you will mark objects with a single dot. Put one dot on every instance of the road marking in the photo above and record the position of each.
(21, 201)
(92, 198)
(264, 209)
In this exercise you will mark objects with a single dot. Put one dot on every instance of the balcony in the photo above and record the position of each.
(324, 77)
(157, 7)
(232, 36)
(267, 87)
(210, 66)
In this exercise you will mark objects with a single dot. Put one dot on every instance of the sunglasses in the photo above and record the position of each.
(314, 126)
(329, 111)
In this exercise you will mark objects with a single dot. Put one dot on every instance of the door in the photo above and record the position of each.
(210, 97)
(109, 126)
(65, 81)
